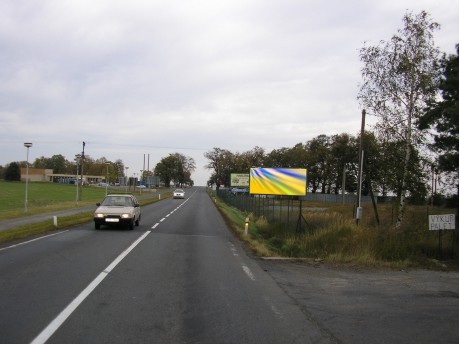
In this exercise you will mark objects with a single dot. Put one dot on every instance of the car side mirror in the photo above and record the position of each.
(98, 204)
(136, 205)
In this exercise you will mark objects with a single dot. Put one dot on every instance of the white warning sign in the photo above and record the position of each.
(442, 222)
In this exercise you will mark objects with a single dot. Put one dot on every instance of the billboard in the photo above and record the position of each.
(240, 180)
(278, 181)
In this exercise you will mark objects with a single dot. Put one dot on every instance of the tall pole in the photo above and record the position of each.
(141, 180)
(106, 178)
(77, 159)
(343, 184)
(82, 162)
(27, 145)
(126, 178)
(359, 186)
(433, 190)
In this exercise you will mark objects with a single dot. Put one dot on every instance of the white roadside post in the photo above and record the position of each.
(27, 145)
(246, 226)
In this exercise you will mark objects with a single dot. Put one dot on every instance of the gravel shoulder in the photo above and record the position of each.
(373, 306)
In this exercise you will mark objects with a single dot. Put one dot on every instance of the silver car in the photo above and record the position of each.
(118, 210)
(179, 193)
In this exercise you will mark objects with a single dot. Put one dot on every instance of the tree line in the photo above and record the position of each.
(332, 164)
(174, 169)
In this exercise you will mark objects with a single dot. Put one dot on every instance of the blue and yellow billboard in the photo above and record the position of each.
(278, 181)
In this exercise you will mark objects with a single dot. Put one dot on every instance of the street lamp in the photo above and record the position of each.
(107, 163)
(77, 160)
(141, 180)
(27, 145)
(126, 178)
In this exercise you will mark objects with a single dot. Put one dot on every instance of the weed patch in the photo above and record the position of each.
(333, 236)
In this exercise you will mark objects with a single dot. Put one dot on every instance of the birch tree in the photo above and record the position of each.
(400, 77)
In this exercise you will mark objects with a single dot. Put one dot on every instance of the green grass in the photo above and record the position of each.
(42, 197)
(43, 227)
(47, 197)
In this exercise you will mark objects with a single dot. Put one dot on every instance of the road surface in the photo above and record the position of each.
(180, 277)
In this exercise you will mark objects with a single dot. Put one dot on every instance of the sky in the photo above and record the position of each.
(150, 78)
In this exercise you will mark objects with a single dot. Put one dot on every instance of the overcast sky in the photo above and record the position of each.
(157, 77)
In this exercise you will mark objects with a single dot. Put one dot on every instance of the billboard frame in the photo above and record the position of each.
(278, 181)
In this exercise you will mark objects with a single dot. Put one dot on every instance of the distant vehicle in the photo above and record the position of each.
(179, 193)
(118, 210)
(141, 187)
(103, 184)
(239, 190)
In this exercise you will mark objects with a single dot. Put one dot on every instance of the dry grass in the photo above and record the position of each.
(333, 236)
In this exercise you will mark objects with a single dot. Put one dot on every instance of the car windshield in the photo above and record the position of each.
(117, 202)
(179, 190)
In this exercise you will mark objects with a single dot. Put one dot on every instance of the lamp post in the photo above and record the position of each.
(27, 145)
(82, 164)
(107, 163)
(126, 178)
(77, 160)
(141, 179)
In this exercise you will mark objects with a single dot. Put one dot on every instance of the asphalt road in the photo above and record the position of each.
(181, 277)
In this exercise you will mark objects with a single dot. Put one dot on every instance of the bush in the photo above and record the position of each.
(13, 172)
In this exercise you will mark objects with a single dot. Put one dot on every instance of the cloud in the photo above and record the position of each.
(140, 77)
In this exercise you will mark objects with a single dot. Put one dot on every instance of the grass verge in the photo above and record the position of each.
(63, 222)
(43, 227)
(334, 238)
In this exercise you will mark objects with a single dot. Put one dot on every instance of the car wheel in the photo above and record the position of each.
(131, 225)
(137, 222)
(97, 225)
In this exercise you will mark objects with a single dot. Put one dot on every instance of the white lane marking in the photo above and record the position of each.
(172, 212)
(233, 249)
(29, 241)
(62, 317)
(248, 272)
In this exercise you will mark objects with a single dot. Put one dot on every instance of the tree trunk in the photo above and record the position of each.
(401, 206)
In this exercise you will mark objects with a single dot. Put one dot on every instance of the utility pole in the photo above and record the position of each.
(358, 213)
(82, 162)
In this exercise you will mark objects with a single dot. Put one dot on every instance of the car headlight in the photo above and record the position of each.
(99, 216)
(126, 216)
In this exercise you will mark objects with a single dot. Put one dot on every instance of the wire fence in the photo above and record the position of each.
(286, 211)
(282, 210)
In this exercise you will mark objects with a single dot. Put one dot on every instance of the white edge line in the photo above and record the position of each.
(60, 319)
(155, 225)
(29, 241)
(248, 272)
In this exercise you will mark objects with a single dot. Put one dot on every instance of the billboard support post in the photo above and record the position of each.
(301, 219)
